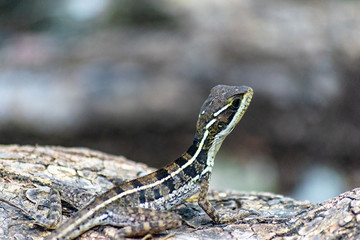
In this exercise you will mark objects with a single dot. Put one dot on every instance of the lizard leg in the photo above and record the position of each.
(77, 197)
(39, 196)
(134, 221)
(205, 204)
(53, 216)
(141, 221)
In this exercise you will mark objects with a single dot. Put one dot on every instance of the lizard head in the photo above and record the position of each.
(220, 113)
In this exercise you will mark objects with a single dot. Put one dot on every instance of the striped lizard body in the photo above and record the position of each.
(139, 205)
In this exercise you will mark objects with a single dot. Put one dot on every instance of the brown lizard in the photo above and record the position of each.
(138, 206)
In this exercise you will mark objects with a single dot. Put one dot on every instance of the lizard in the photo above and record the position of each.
(139, 205)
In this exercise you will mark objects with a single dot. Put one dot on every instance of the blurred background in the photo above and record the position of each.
(129, 77)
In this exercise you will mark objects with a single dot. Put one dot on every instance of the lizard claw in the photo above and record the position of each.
(231, 218)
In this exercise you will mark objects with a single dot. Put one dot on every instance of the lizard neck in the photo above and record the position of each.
(198, 160)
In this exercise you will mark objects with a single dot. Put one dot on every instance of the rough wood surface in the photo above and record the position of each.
(278, 217)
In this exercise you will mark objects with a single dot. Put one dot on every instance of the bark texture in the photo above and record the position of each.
(277, 217)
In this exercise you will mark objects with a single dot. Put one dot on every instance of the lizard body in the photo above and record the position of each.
(138, 206)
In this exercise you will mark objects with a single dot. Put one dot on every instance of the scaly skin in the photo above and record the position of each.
(138, 206)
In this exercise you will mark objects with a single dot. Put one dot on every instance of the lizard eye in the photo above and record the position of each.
(235, 103)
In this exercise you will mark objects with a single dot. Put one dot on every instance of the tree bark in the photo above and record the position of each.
(277, 216)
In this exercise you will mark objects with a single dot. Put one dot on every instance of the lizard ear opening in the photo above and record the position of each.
(222, 125)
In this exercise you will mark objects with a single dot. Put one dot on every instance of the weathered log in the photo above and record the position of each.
(278, 217)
